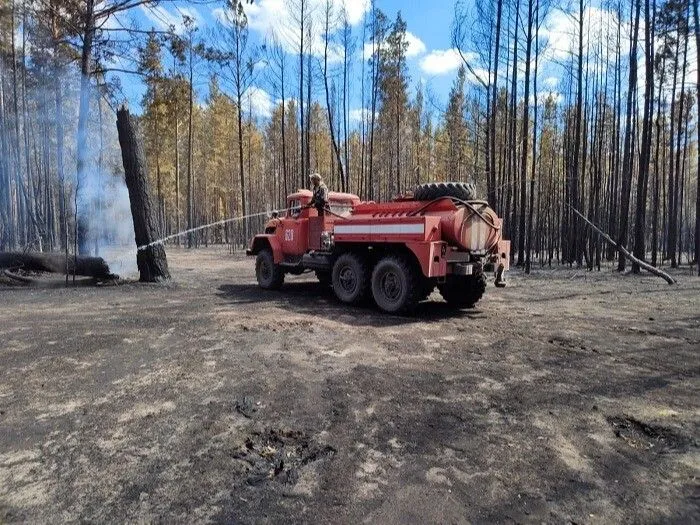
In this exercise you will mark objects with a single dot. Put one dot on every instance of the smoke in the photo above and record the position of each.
(104, 205)
(39, 187)
(102, 202)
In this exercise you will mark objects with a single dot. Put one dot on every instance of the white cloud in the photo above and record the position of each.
(277, 18)
(599, 25)
(551, 82)
(258, 101)
(479, 74)
(441, 61)
(356, 115)
(163, 19)
(355, 10)
(444, 61)
(113, 21)
(560, 34)
(159, 17)
(415, 45)
(367, 51)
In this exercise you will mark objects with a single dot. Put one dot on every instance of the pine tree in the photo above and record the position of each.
(456, 129)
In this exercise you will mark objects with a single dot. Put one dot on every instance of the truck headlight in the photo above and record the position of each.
(326, 240)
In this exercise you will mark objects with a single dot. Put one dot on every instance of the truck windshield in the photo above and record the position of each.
(294, 208)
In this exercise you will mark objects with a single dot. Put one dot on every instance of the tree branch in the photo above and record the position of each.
(620, 248)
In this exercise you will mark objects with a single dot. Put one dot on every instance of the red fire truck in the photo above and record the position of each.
(397, 252)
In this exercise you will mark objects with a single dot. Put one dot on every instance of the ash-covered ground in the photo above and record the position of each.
(567, 397)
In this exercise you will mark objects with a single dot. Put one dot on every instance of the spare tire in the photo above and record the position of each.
(434, 190)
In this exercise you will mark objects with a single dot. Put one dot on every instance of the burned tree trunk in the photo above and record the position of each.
(151, 260)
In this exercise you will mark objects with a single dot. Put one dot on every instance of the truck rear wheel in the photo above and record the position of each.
(270, 275)
(350, 278)
(395, 286)
(464, 291)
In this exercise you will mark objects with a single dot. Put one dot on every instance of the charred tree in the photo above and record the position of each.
(82, 140)
(576, 244)
(151, 261)
(329, 108)
(697, 148)
(677, 202)
(491, 170)
(642, 184)
(627, 151)
(525, 137)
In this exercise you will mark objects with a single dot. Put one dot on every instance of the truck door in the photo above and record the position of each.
(293, 238)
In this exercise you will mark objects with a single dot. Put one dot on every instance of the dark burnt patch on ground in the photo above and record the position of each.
(648, 436)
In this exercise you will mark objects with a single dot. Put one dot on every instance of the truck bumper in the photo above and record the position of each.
(464, 268)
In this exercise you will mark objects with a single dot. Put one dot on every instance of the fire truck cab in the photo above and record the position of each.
(301, 228)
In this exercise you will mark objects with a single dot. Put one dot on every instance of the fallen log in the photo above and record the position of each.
(648, 267)
(56, 263)
(19, 278)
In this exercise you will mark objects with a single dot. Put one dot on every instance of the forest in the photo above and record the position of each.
(617, 140)
(183, 342)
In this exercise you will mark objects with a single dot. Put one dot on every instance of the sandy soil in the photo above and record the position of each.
(566, 397)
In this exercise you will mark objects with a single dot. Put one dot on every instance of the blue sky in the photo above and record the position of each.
(430, 60)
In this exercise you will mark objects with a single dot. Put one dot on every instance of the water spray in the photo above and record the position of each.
(210, 225)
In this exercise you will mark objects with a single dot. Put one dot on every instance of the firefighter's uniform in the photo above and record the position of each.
(319, 200)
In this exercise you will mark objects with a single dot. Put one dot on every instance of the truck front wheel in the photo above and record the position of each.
(270, 275)
(395, 286)
(464, 291)
(350, 278)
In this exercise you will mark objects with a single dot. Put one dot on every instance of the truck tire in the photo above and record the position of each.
(270, 275)
(395, 285)
(350, 278)
(434, 190)
(463, 292)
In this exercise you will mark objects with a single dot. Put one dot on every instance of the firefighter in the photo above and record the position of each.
(319, 200)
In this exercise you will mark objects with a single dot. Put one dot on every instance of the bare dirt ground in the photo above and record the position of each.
(566, 397)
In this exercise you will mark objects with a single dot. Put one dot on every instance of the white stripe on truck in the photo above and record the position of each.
(378, 229)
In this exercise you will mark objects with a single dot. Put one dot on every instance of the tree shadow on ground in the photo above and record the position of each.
(312, 298)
